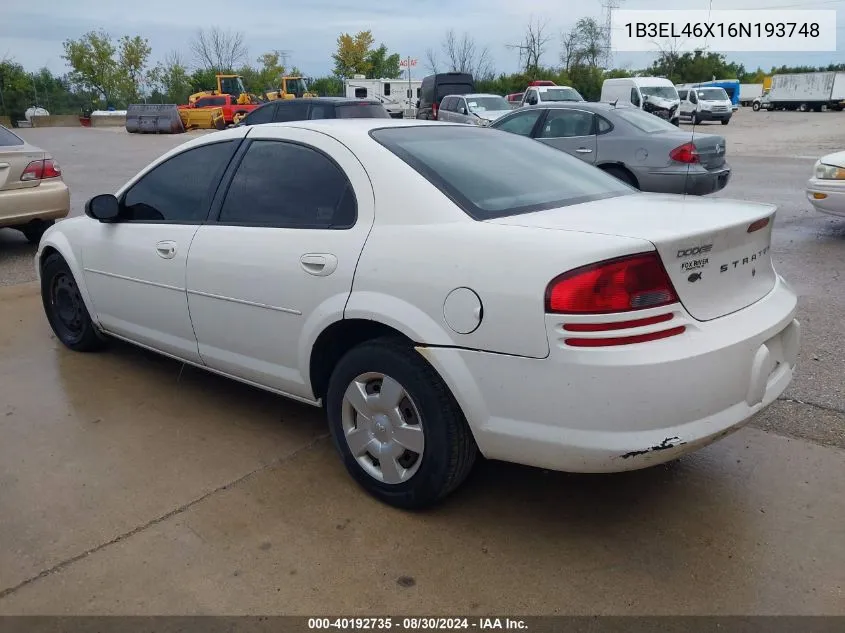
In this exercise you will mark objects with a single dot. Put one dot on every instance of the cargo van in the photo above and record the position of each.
(656, 95)
(705, 103)
(435, 87)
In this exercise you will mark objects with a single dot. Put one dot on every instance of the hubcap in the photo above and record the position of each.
(382, 428)
(67, 305)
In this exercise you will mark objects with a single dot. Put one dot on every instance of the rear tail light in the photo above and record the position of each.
(434, 109)
(686, 153)
(634, 282)
(41, 169)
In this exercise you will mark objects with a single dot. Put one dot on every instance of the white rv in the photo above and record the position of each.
(398, 96)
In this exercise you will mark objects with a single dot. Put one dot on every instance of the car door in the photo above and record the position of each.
(278, 255)
(445, 111)
(135, 268)
(570, 130)
(461, 111)
(521, 122)
(685, 105)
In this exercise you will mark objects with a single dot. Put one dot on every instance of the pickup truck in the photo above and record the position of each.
(233, 112)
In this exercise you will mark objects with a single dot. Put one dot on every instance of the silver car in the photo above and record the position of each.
(474, 109)
(637, 147)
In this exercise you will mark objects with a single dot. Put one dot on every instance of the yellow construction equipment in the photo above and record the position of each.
(226, 85)
(290, 87)
(202, 118)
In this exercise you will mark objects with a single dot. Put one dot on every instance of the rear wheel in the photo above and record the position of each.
(35, 230)
(396, 425)
(65, 308)
(620, 173)
(803, 107)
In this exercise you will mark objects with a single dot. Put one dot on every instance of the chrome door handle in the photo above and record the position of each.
(166, 249)
(319, 264)
(584, 150)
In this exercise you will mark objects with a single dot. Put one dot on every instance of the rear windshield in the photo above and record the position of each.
(493, 174)
(8, 138)
(560, 94)
(444, 90)
(362, 111)
(644, 121)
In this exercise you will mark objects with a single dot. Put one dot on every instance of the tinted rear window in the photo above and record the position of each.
(9, 138)
(644, 121)
(444, 90)
(361, 111)
(492, 174)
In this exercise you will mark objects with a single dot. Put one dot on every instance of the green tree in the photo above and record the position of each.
(351, 57)
(133, 53)
(328, 86)
(170, 80)
(382, 65)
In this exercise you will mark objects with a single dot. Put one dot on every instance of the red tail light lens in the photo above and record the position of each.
(759, 224)
(434, 109)
(40, 169)
(686, 153)
(623, 284)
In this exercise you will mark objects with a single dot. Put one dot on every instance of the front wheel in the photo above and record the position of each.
(725, 121)
(755, 106)
(65, 308)
(397, 427)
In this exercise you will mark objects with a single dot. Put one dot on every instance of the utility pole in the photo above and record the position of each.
(609, 6)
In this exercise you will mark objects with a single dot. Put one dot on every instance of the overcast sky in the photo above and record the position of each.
(31, 33)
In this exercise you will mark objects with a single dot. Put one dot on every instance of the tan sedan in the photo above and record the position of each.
(32, 192)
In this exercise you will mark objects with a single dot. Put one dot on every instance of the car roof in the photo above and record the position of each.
(475, 95)
(592, 106)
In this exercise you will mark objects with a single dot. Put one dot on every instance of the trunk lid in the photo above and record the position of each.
(711, 149)
(716, 265)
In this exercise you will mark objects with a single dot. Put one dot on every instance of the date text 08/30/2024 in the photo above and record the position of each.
(417, 624)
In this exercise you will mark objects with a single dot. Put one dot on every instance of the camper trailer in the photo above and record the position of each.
(398, 96)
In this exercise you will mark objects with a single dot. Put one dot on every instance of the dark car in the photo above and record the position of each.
(317, 108)
(435, 87)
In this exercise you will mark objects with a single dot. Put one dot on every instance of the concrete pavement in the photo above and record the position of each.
(132, 485)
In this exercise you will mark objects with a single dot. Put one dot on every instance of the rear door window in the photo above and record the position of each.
(289, 185)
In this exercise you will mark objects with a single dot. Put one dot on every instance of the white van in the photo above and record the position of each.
(535, 95)
(652, 94)
(705, 103)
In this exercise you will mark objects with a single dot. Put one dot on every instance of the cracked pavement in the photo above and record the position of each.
(130, 484)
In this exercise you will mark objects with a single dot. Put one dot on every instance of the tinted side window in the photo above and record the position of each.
(360, 93)
(264, 114)
(291, 112)
(521, 123)
(565, 123)
(180, 189)
(289, 185)
(9, 138)
(635, 97)
(386, 90)
(604, 126)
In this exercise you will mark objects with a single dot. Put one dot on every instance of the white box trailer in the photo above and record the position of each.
(749, 92)
(804, 91)
(398, 96)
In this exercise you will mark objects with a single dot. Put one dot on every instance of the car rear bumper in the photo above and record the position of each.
(624, 408)
(695, 181)
(50, 200)
(833, 202)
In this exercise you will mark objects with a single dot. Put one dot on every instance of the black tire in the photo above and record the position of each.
(620, 173)
(755, 106)
(34, 231)
(449, 451)
(725, 121)
(695, 119)
(803, 108)
(65, 308)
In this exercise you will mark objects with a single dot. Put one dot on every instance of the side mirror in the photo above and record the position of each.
(463, 110)
(104, 208)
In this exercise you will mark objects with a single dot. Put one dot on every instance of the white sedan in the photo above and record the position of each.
(442, 290)
(826, 189)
